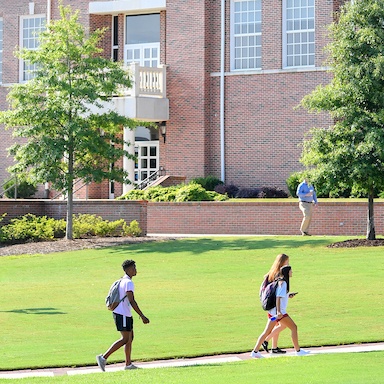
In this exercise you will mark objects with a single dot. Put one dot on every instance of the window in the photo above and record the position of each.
(246, 34)
(299, 36)
(1, 50)
(115, 38)
(31, 26)
(142, 40)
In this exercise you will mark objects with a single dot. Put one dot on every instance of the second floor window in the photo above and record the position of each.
(142, 40)
(31, 26)
(246, 34)
(299, 33)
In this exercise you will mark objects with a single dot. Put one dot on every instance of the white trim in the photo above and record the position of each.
(21, 40)
(284, 38)
(273, 71)
(123, 6)
(254, 34)
(222, 93)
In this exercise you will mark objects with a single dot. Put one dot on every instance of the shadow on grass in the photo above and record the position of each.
(36, 311)
(201, 245)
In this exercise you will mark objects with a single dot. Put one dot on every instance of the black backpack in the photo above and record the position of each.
(268, 293)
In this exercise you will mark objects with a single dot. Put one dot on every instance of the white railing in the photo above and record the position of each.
(147, 81)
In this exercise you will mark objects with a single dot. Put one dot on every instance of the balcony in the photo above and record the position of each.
(147, 99)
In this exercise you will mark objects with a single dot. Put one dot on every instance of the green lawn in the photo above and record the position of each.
(350, 368)
(201, 295)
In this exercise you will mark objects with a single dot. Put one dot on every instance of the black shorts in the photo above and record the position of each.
(123, 323)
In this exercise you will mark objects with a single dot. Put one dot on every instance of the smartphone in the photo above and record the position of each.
(291, 294)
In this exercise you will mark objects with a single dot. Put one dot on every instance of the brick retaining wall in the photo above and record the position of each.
(269, 218)
(261, 218)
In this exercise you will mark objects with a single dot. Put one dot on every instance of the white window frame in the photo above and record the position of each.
(23, 72)
(141, 50)
(252, 50)
(301, 48)
(1, 48)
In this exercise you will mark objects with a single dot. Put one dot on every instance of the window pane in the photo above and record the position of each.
(246, 20)
(153, 151)
(300, 32)
(143, 29)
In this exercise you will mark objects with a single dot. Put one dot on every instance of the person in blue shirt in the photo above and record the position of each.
(307, 200)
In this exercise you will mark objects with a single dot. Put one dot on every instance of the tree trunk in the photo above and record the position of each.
(69, 229)
(371, 234)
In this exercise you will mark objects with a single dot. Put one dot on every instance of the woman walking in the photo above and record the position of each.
(279, 269)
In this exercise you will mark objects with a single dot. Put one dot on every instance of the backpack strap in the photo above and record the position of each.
(125, 296)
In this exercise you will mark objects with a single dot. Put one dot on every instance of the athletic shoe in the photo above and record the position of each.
(302, 353)
(265, 346)
(278, 350)
(101, 362)
(256, 355)
(130, 366)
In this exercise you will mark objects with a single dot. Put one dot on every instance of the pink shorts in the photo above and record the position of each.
(285, 315)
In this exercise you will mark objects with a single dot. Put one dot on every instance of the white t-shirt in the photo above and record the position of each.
(124, 308)
(281, 291)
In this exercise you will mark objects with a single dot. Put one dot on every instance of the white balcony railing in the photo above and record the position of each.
(147, 81)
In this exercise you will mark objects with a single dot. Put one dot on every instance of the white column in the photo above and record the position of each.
(129, 164)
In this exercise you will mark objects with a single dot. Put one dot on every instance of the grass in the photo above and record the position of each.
(201, 295)
(350, 368)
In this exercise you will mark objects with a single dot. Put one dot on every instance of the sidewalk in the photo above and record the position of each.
(219, 359)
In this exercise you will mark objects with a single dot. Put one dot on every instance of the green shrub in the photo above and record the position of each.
(132, 229)
(134, 194)
(86, 225)
(209, 182)
(217, 196)
(181, 192)
(192, 192)
(32, 228)
(25, 189)
(160, 193)
(293, 182)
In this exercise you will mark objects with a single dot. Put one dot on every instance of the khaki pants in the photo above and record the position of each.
(307, 209)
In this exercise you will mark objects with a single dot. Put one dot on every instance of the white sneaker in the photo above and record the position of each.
(101, 362)
(130, 366)
(256, 355)
(302, 353)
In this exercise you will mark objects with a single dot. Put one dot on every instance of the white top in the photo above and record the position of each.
(281, 291)
(124, 308)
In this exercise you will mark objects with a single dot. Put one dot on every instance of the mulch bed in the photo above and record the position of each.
(63, 245)
(353, 243)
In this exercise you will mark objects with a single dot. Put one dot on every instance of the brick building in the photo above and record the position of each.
(222, 77)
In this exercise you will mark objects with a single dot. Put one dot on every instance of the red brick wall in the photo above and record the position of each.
(260, 218)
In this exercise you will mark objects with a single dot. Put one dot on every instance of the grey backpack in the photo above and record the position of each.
(113, 299)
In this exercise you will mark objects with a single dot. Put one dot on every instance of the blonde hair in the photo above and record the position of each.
(280, 261)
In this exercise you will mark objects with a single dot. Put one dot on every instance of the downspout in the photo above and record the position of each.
(222, 93)
(48, 11)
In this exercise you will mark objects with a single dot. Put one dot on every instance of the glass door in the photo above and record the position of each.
(147, 159)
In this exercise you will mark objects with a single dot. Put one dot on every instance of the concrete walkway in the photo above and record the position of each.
(219, 359)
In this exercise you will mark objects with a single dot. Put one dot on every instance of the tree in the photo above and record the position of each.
(351, 152)
(65, 140)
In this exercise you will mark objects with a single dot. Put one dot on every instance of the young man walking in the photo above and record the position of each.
(123, 318)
